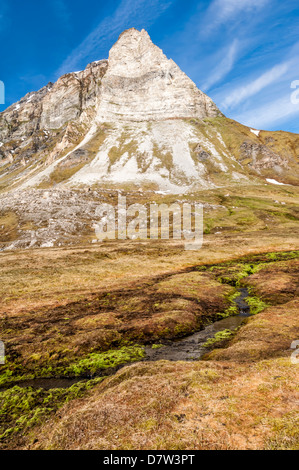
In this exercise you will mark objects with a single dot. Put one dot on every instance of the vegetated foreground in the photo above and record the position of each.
(81, 313)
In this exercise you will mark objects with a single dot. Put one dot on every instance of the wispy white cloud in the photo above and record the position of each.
(269, 114)
(225, 66)
(224, 11)
(129, 14)
(230, 22)
(252, 88)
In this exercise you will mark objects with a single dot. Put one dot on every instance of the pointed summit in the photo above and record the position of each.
(137, 52)
(134, 120)
(142, 84)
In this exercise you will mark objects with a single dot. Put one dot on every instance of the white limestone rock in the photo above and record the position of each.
(141, 84)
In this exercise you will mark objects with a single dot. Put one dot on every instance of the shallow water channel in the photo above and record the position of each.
(190, 348)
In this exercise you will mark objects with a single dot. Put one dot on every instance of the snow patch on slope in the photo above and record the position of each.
(269, 180)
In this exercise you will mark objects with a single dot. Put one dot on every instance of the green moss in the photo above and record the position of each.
(183, 329)
(233, 308)
(283, 256)
(256, 305)
(236, 273)
(88, 365)
(220, 336)
(105, 360)
(157, 346)
(10, 376)
(23, 408)
(233, 272)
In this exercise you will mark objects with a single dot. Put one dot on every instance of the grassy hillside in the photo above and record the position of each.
(88, 310)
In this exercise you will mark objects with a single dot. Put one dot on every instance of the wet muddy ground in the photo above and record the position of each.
(190, 348)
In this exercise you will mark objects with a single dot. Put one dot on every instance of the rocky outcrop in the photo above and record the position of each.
(41, 120)
(261, 157)
(54, 105)
(141, 84)
(40, 218)
(37, 218)
(71, 95)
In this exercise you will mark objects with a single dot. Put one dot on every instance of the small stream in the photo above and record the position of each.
(190, 348)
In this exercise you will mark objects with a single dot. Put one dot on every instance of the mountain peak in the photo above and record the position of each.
(142, 84)
(135, 119)
(134, 54)
(135, 31)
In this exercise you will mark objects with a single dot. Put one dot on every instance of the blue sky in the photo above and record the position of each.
(242, 53)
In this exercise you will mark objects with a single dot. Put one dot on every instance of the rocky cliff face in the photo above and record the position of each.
(141, 84)
(135, 119)
(41, 125)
